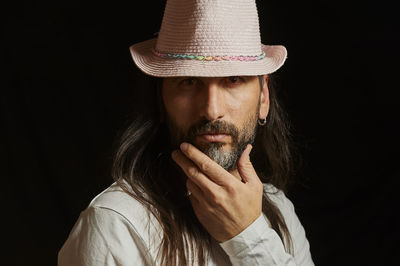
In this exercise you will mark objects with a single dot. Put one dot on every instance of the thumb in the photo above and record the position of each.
(245, 167)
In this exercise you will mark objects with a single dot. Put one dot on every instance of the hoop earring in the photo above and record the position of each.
(262, 122)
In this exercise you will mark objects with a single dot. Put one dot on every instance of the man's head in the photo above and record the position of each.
(210, 54)
(218, 115)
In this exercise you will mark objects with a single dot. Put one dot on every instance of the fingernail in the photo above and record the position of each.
(184, 146)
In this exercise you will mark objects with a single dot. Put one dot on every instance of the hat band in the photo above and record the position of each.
(209, 58)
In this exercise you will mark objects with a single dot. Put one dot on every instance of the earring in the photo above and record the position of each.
(262, 122)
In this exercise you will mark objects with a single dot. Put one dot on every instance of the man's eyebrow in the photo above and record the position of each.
(174, 79)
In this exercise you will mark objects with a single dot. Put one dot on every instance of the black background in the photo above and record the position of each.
(68, 88)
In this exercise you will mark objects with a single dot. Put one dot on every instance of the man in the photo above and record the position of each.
(187, 191)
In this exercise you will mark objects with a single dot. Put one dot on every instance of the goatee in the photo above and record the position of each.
(215, 150)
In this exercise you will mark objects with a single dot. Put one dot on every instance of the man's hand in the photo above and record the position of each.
(224, 204)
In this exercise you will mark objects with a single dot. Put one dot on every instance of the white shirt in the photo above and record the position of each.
(115, 229)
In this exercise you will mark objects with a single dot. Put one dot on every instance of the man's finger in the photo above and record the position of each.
(194, 190)
(206, 165)
(245, 167)
(193, 172)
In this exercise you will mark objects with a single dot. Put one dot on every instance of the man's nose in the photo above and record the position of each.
(213, 102)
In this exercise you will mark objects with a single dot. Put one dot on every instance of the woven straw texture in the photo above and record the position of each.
(208, 29)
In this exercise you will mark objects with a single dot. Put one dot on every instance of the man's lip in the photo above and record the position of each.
(213, 137)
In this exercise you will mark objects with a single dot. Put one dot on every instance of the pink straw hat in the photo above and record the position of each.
(209, 38)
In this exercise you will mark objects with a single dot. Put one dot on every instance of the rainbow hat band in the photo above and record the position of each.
(209, 58)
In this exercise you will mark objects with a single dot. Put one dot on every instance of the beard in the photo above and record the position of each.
(226, 158)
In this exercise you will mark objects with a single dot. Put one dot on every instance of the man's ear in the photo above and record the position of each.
(264, 98)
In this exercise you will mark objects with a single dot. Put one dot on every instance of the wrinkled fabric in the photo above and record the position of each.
(115, 229)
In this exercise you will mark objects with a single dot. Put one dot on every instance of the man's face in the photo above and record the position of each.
(217, 115)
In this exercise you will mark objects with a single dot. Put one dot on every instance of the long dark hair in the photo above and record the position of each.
(142, 160)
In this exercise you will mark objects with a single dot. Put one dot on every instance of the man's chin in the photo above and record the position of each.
(219, 152)
(206, 147)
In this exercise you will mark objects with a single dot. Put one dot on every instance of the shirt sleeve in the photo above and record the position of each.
(103, 236)
(259, 244)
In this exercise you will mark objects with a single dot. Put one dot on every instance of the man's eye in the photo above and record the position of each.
(235, 79)
(188, 81)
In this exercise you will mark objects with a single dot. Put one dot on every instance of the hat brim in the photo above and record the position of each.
(154, 65)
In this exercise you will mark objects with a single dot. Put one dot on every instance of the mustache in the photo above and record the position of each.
(212, 127)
